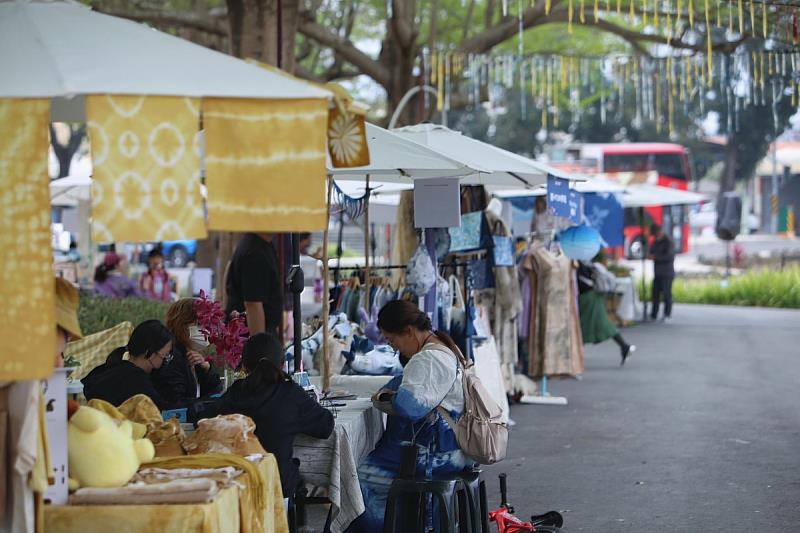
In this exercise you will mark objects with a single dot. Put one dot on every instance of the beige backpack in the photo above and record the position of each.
(480, 432)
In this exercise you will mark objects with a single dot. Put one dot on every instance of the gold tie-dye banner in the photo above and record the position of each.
(265, 164)
(27, 291)
(146, 168)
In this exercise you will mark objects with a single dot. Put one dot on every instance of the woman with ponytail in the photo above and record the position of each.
(431, 377)
(279, 407)
(149, 347)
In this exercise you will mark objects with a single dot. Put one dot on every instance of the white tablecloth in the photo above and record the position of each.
(629, 306)
(332, 463)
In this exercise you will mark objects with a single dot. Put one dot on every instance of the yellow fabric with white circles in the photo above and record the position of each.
(27, 291)
(146, 161)
(265, 164)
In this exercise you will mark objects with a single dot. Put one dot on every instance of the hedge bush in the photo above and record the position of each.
(97, 313)
(755, 288)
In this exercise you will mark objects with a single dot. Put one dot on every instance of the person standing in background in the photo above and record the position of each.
(253, 283)
(154, 283)
(663, 255)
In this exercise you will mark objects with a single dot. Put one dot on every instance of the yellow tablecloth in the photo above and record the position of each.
(219, 516)
(228, 513)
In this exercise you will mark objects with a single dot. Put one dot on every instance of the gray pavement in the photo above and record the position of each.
(699, 432)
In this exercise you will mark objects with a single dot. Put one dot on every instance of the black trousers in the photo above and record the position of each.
(662, 289)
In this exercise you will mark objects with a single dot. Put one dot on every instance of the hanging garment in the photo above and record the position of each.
(555, 345)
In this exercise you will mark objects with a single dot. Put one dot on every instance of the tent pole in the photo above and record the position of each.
(366, 248)
(326, 361)
(645, 246)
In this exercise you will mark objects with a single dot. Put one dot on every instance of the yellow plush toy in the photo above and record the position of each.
(102, 451)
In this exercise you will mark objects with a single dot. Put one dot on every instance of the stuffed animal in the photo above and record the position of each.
(102, 451)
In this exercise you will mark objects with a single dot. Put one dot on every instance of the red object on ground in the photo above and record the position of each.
(508, 523)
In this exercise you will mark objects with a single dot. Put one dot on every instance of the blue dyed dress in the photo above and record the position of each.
(431, 377)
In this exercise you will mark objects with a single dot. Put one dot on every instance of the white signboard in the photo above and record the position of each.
(437, 203)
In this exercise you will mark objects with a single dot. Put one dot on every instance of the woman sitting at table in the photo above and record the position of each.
(279, 407)
(188, 376)
(431, 377)
(149, 347)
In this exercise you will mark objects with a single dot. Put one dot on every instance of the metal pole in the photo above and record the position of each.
(645, 245)
(405, 99)
(366, 248)
(326, 363)
(774, 195)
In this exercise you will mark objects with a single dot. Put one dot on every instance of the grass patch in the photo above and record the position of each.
(97, 313)
(756, 288)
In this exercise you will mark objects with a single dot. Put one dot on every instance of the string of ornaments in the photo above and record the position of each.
(657, 87)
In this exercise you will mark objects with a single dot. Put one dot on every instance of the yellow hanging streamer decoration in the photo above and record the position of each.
(570, 14)
(730, 19)
(669, 21)
(764, 15)
(752, 18)
(547, 6)
(619, 7)
(678, 15)
(608, 5)
(670, 113)
(440, 85)
(762, 73)
(658, 106)
(690, 79)
(583, 12)
(434, 58)
(691, 12)
(719, 15)
(769, 63)
(741, 17)
(632, 12)
(708, 47)
(596, 11)
(655, 14)
(644, 12)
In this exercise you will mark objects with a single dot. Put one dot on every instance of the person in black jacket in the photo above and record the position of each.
(663, 255)
(149, 347)
(279, 407)
(188, 376)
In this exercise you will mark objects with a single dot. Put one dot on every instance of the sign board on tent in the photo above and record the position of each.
(603, 211)
(575, 202)
(437, 203)
(558, 196)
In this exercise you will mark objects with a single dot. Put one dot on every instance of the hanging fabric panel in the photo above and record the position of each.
(27, 288)
(265, 164)
(146, 168)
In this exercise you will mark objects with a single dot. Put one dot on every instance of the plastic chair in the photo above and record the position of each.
(412, 495)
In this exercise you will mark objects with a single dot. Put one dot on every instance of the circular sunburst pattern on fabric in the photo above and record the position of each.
(101, 233)
(126, 106)
(99, 141)
(170, 231)
(170, 193)
(166, 144)
(128, 144)
(131, 195)
(344, 138)
(98, 193)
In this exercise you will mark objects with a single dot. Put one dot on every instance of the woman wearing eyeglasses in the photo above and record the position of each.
(149, 347)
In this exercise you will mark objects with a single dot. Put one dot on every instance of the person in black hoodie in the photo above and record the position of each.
(279, 407)
(149, 347)
(188, 376)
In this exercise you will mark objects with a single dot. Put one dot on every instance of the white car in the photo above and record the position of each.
(703, 217)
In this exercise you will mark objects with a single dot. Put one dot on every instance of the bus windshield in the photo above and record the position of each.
(670, 165)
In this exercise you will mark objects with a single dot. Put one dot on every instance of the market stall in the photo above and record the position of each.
(142, 104)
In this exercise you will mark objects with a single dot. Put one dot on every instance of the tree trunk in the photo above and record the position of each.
(398, 56)
(727, 180)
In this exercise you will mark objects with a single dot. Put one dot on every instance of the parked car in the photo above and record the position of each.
(704, 216)
(177, 254)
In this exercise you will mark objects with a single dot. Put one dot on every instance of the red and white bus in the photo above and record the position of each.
(671, 163)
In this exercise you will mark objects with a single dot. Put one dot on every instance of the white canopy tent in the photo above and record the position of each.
(493, 166)
(71, 51)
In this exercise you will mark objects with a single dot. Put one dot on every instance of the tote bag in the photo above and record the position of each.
(473, 234)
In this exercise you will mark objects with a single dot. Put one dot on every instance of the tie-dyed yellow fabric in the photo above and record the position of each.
(27, 292)
(265, 164)
(347, 139)
(146, 161)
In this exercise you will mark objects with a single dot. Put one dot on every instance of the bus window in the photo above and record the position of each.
(670, 165)
(626, 163)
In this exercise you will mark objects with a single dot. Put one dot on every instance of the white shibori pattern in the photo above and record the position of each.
(265, 164)
(146, 153)
(26, 261)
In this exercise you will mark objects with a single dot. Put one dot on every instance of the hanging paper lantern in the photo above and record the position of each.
(580, 243)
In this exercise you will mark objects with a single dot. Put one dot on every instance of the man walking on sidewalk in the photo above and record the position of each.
(663, 255)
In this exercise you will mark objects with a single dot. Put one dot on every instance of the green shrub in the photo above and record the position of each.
(756, 288)
(97, 313)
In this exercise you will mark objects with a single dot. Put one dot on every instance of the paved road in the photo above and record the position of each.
(699, 432)
(752, 244)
